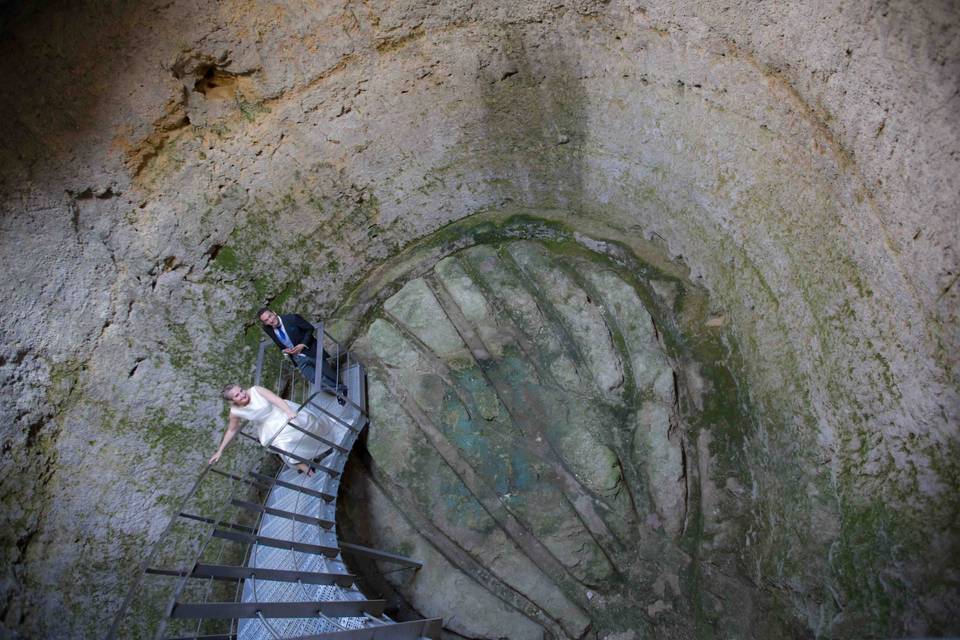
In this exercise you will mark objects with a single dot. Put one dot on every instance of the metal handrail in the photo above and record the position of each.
(152, 554)
(220, 528)
(350, 431)
(177, 514)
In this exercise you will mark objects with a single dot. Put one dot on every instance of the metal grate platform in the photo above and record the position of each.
(293, 582)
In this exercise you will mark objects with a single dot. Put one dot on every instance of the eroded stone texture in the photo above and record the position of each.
(167, 167)
(584, 472)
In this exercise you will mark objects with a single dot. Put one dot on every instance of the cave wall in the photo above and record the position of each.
(166, 168)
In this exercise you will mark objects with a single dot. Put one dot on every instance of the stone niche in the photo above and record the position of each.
(552, 417)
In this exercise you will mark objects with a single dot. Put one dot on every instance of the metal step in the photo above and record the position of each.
(219, 523)
(377, 554)
(299, 517)
(307, 461)
(318, 438)
(290, 485)
(229, 572)
(249, 538)
(349, 426)
(223, 610)
(412, 630)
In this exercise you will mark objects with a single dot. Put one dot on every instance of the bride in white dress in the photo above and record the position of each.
(270, 413)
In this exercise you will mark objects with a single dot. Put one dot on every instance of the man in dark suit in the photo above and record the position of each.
(294, 335)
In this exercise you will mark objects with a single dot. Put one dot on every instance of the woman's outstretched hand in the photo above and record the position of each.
(214, 458)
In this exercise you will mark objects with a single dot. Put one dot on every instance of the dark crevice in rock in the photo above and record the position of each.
(136, 365)
(625, 349)
(949, 286)
(371, 579)
(213, 78)
(504, 315)
(103, 328)
(33, 433)
(213, 252)
(18, 357)
(99, 193)
(683, 476)
(24, 541)
(75, 220)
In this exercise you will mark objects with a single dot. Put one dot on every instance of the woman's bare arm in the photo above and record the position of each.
(278, 402)
(232, 428)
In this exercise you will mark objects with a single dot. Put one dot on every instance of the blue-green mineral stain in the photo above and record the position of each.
(554, 451)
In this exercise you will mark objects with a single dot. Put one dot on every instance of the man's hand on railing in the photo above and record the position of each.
(293, 351)
(215, 458)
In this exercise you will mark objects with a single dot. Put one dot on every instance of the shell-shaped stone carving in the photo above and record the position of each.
(524, 435)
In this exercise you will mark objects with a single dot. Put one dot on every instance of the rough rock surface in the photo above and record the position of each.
(556, 485)
(166, 167)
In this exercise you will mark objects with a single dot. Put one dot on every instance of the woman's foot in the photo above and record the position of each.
(303, 468)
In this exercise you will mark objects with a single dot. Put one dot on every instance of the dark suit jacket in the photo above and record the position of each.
(298, 330)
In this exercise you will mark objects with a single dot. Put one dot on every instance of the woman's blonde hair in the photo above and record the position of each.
(226, 390)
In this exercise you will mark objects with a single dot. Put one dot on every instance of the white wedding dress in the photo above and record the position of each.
(272, 428)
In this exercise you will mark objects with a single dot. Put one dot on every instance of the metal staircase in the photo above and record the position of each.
(252, 550)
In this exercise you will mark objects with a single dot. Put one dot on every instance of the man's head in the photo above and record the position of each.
(268, 317)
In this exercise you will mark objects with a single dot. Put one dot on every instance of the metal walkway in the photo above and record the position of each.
(292, 582)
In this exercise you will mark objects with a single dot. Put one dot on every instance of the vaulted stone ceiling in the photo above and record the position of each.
(791, 167)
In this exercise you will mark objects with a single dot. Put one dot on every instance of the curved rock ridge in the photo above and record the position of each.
(529, 417)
